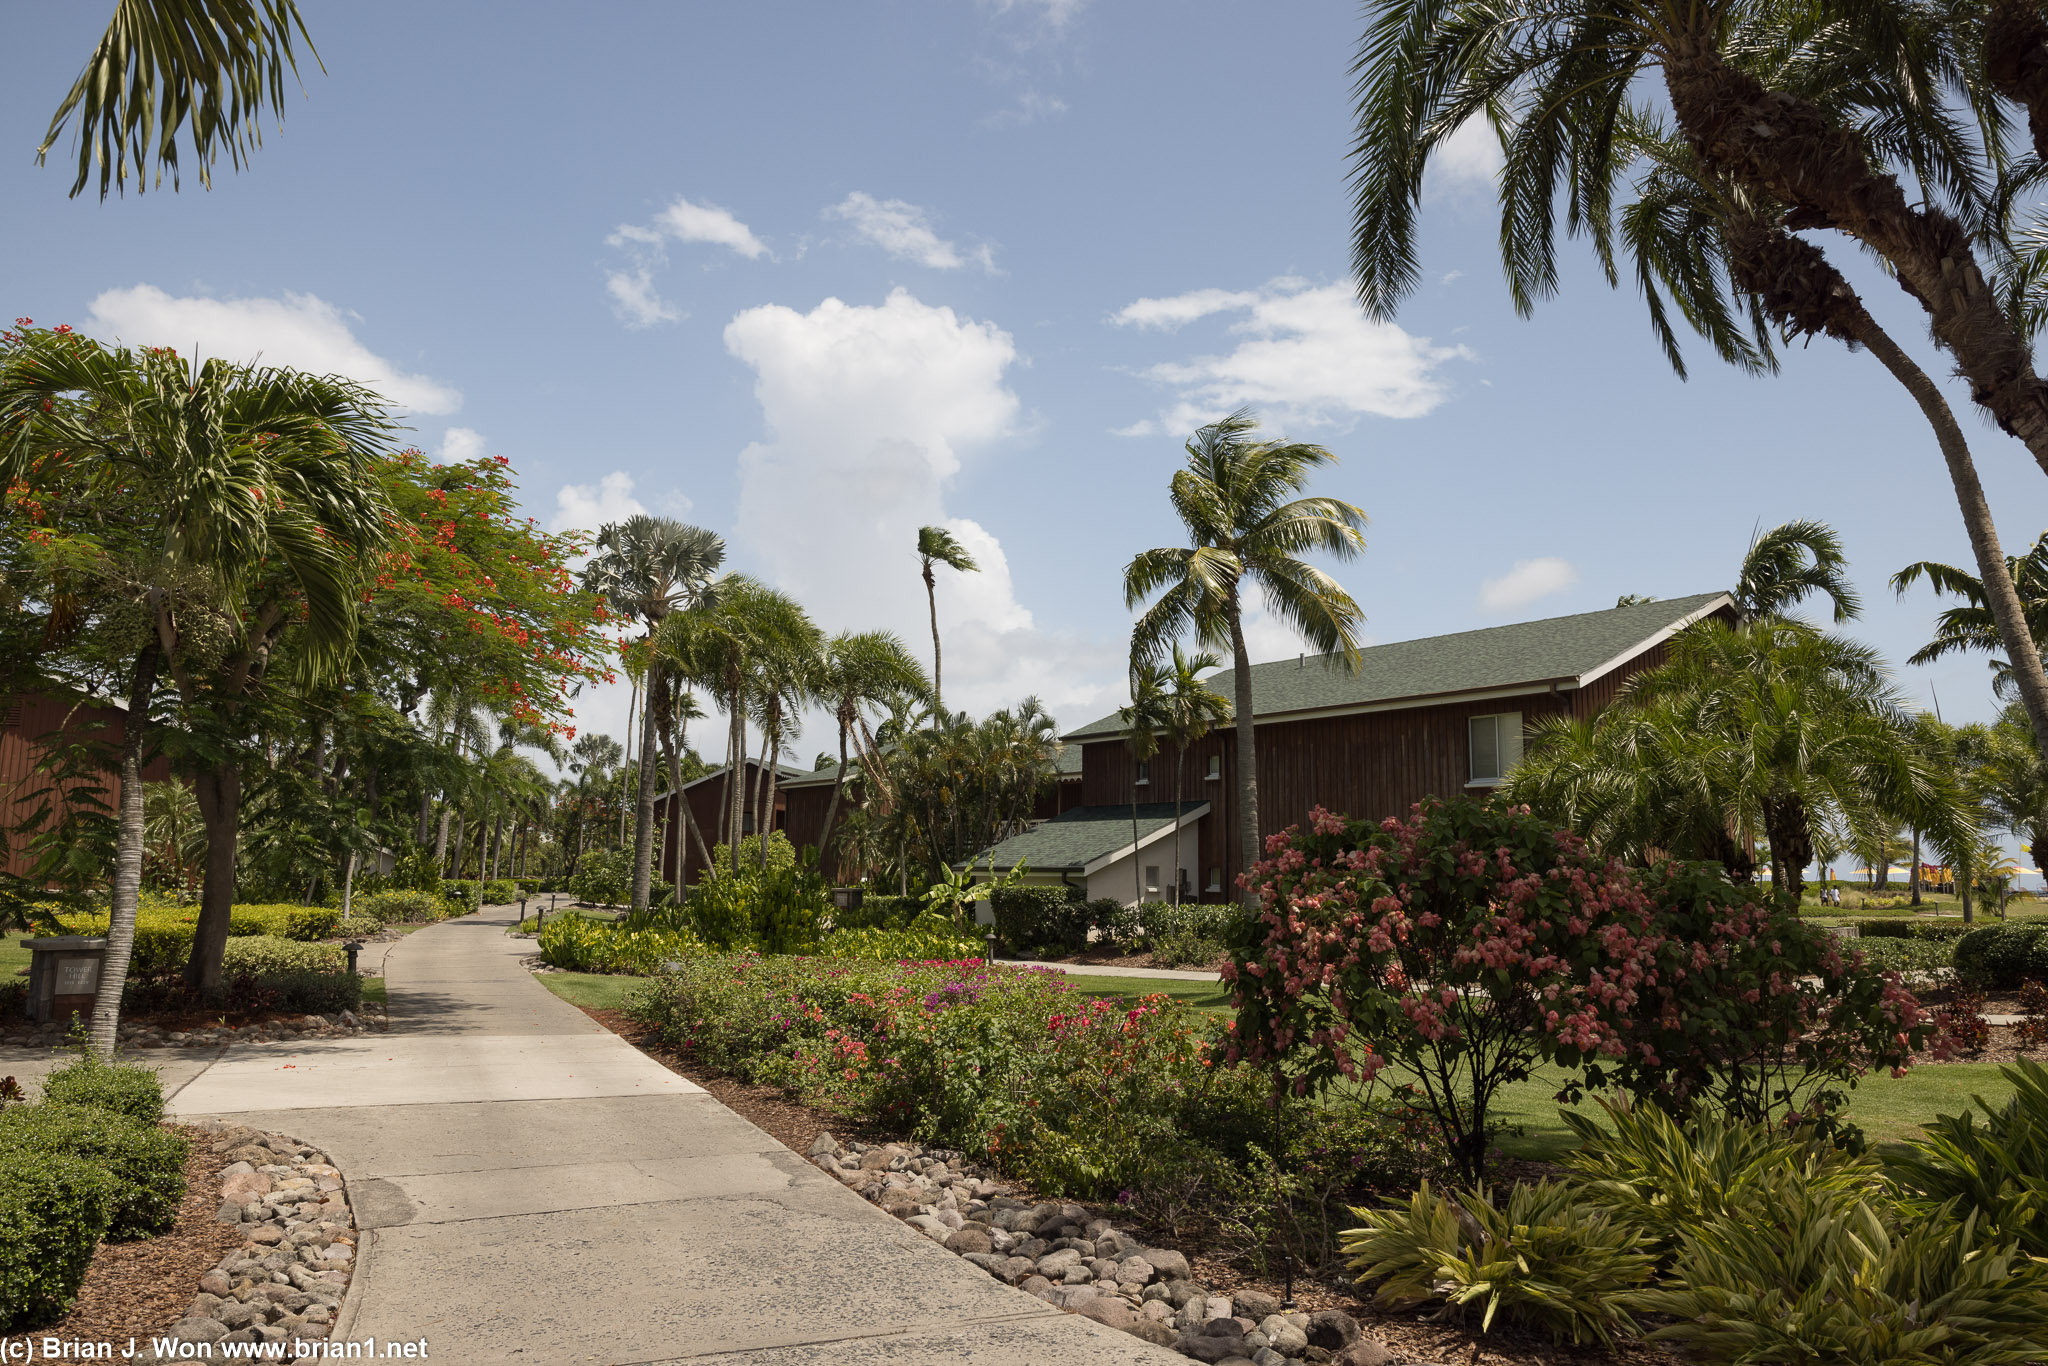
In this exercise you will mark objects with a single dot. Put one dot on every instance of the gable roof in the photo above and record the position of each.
(1567, 651)
(783, 773)
(1085, 838)
(1067, 764)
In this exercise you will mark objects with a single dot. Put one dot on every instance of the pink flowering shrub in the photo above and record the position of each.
(1465, 946)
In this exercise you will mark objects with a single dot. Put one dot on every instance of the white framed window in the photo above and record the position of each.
(1215, 773)
(1494, 745)
(1144, 772)
(1152, 879)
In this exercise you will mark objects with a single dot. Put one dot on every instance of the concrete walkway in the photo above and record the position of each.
(532, 1188)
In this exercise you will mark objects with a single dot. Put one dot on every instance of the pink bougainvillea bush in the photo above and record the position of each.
(1460, 949)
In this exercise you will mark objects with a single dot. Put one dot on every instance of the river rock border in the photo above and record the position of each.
(289, 1277)
(1079, 1261)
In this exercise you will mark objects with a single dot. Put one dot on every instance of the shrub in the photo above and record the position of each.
(1040, 916)
(1898, 927)
(458, 897)
(928, 940)
(1159, 921)
(2033, 997)
(1402, 945)
(879, 913)
(308, 923)
(392, 907)
(604, 877)
(577, 944)
(1996, 1169)
(92, 1081)
(1114, 923)
(311, 991)
(500, 892)
(146, 1162)
(1915, 955)
(2000, 957)
(53, 1210)
(261, 954)
(1544, 1260)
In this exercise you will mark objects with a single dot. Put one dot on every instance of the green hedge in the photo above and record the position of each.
(933, 940)
(501, 891)
(53, 1210)
(1897, 927)
(879, 913)
(125, 1088)
(388, 908)
(1035, 917)
(2001, 957)
(146, 1162)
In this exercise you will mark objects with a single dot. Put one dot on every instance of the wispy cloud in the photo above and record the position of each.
(632, 290)
(1528, 581)
(1306, 355)
(905, 231)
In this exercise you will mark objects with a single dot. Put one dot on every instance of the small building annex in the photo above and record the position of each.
(1433, 717)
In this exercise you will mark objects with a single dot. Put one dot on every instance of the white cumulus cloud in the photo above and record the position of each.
(905, 231)
(869, 411)
(1468, 158)
(1528, 581)
(1306, 355)
(586, 507)
(461, 444)
(300, 331)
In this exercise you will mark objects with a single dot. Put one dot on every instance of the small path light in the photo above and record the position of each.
(354, 947)
(522, 908)
(991, 948)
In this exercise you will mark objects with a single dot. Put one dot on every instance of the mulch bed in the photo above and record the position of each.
(134, 1289)
(795, 1126)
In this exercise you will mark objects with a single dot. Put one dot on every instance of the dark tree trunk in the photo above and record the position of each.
(643, 821)
(1247, 756)
(832, 807)
(220, 809)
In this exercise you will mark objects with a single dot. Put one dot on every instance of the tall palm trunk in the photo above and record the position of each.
(1137, 870)
(1247, 755)
(734, 788)
(931, 597)
(220, 810)
(441, 839)
(643, 821)
(672, 749)
(127, 890)
(2001, 595)
(764, 815)
(1180, 764)
(631, 706)
(426, 825)
(832, 807)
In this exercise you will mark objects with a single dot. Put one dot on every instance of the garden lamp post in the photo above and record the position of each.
(991, 947)
(354, 947)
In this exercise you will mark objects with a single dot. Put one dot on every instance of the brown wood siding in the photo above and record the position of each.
(708, 803)
(24, 723)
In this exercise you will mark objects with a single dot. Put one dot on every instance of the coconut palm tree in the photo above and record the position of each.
(1191, 708)
(164, 63)
(647, 568)
(1142, 721)
(1230, 499)
(259, 512)
(2012, 779)
(860, 669)
(936, 545)
(1972, 624)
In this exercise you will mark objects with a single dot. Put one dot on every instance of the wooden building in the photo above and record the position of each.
(30, 722)
(709, 803)
(1418, 718)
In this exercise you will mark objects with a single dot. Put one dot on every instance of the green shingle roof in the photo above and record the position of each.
(1073, 840)
(1557, 649)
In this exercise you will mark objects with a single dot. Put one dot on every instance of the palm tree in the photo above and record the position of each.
(1853, 142)
(1191, 708)
(648, 567)
(1229, 497)
(254, 491)
(1789, 563)
(1142, 721)
(860, 669)
(2013, 781)
(162, 62)
(1974, 625)
(1708, 221)
(722, 645)
(936, 545)
(674, 707)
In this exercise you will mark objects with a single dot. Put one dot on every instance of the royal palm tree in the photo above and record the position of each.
(1233, 499)
(1142, 721)
(860, 669)
(162, 64)
(258, 511)
(648, 567)
(1191, 709)
(936, 545)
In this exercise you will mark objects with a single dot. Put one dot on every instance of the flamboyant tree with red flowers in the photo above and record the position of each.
(1460, 949)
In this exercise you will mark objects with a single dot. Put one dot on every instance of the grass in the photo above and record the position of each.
(1210, 996)
(373, 991)
(596, 990)
(13, 957)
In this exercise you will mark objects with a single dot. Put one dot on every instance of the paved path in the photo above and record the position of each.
(534, 1189)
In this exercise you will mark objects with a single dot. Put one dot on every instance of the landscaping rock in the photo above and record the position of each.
(1171, 1266)
(1255, 1304)
(822, 1144)
(1151, 1331)
(1109, 1310)
(1364, 1352)
(1284, 1335)
(1332, 1329)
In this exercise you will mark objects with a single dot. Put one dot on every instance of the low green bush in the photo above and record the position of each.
(2000, 957)
(604, 877)
(1992, 1163)
(459, 897)
(1907, 955)
(311, 991)
(931, 939)
(309, 923)
(146, 1162)
(388, 908)
(262, 954)
(1030, 917)
(1898, 927)
(53, 1211)
(1541, 1258)
(579, 944)
(500, 892)
(877, 912)
(90, 1080)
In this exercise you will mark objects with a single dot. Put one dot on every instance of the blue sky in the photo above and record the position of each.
(812, 275)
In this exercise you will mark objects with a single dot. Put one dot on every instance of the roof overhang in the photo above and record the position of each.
(1698, 614)
(1188, 817)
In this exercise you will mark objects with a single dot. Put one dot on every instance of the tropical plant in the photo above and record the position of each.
(216, 63)
(241, 501)
(1790, 563)
(648, 567)
(1141, 721)
(1190, 708)
(1991, 1162)
(1981, 620)
(1232, 498)
(936, 545)
(861, 669)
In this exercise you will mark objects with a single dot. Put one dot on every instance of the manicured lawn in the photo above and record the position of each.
(597, 990)
(373, 991)
(1888, 1109)
(1213, 996)
(13, 957)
